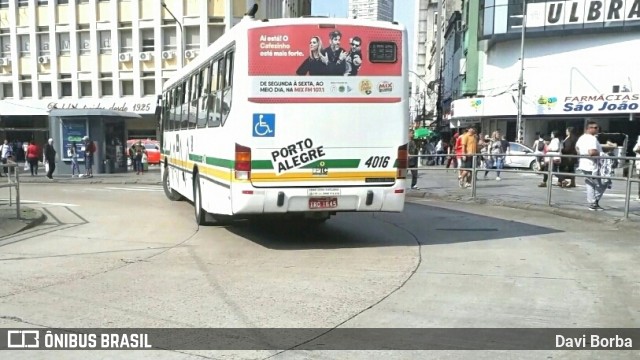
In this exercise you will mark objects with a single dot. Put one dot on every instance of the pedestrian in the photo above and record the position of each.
(73, 152)
(552, 148)
(89, 151)
(451, 152)
(567, 165)
(498, 150)
(588, 147)
(439, 152)
(6, 152)
(412, 149)
(32, 157)
(636, 149)
(139, 152)
(469, 150)
(459, 153)
(50, 158)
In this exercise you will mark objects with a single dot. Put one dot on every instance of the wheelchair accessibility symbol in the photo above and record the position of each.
(264, 125)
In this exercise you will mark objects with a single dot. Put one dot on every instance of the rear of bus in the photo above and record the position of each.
(328, 128)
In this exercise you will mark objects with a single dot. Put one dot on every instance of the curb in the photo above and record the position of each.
(27, 223)
(567, 213)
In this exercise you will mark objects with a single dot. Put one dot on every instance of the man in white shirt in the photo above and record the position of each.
(589, 147)
(6, 151)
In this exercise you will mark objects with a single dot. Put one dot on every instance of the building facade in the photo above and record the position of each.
(579, 64)
(371, 9)
(423, 76)
(105, 54)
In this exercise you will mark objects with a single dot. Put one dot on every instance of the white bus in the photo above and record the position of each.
(300, 117)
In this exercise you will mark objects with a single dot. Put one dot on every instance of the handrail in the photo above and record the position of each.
(12, 184)
(548, 171)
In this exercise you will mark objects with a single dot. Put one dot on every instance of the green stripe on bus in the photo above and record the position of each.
(194, 157)
(261, 164)
(335, 164)
(268, 165)
(228, 164)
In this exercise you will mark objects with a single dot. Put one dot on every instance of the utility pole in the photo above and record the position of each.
(439, 34)
(520, 120)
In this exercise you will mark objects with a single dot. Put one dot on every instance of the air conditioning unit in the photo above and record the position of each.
(124, 57)
(145, 56)
(5, 61)
(190, 54)
(166, 55)
(43, 59)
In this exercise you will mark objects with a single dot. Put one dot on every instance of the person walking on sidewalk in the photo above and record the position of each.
(498, 149)
(412, 149)
(553, 148)
(50, 158)
(73, 154)
(567, 165)
(89, 151)
(6, 151)
(469, 149)
(589, 147)
(32, 157)
(138, 150)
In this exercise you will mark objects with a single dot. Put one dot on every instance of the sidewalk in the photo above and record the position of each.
(151, 177)
(520, 190)
(9, 223)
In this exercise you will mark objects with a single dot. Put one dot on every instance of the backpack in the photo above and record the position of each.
(540, 145)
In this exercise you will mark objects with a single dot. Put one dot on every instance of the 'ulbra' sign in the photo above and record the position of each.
(576, 12)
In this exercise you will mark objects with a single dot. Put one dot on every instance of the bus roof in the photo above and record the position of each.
(249, 23)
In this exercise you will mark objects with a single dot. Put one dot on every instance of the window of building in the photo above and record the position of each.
(7, 90)
(106, 75)
(4, 4)
(25, 50)
(127, 87)
(45, 89)
(105, 41)
(43, 2)
(146, 39)
(65, 88)
(215, 31)
(169, 40)
(43, 44)
(148, 87)
(63, 2)
(106, 87)
(126, 41)
(85, 88)
(5, 46)
(64, 44)
(83, 1)
(84, 43)
(25, 89)
(23, 3)
(192, 37)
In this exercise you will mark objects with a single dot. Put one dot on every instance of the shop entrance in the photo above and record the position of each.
(116, 159)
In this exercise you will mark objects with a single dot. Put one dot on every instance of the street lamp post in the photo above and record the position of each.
(182, 44)
(520, 120)
(424, 96)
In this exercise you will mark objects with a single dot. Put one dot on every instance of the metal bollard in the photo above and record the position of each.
(549, 180)
(627, 194)
(473, 176)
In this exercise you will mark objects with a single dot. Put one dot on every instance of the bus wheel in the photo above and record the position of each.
(201, 215)
(168, 191)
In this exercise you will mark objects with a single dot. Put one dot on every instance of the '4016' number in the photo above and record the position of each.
(377, 161)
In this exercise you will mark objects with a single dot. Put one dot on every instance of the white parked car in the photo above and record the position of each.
(523, 162)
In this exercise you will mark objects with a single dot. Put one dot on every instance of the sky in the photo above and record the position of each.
(339, 8)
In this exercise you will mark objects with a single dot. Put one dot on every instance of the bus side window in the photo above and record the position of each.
(213, 119)
(186, 95)
(178, 106)
(193, 102)
(204, 96)
(227, 92)
(165, 111)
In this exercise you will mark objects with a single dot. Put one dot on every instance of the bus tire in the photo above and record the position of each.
(168, 191)
(201, 214)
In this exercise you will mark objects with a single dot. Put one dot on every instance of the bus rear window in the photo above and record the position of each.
(382, 52)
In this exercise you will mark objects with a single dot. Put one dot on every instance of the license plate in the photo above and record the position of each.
(323, 203)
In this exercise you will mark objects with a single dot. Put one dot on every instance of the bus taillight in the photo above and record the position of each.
(243, 162)
(402, 163)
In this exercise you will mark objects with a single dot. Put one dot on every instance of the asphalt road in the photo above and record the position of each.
(124, 256)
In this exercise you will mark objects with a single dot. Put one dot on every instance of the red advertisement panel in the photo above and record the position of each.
(317, 50)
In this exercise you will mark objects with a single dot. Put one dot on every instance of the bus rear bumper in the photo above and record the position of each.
(250, 200)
